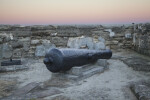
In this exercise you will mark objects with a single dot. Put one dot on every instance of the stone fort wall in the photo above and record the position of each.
(34, 41)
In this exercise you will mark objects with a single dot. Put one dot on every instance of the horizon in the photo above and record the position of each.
(69, 12)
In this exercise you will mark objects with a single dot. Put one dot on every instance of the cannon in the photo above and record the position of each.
(61, 60)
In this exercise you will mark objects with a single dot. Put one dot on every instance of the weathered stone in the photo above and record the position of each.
(28, 54)
(102, 62)
(67, 34)
(120, 39)
(119, 35)
(17, 53)
(26, 39)
(23, 33)
(26, 46)
(0, 53)
(40, 27)
(45, 93)
(101, 39)
(80, 42)
(67, 31)
(128, 35)
(6, 37)
(141, 90)
(76, 70)
(111, 33)
(45, 41)
(17, 44)
(42, 33)
(114, 46)
(13, 68)
(27, 88)
(53, 34)
(1, 40)
(99, 46)
(111, 42)
(138, 64)
(42, 49)
(6, 51)
(6, 87)
(80, 72)
(59, 41)
(35, 42)
(114, 42)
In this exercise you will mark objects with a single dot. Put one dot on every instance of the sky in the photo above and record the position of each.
(29, 12)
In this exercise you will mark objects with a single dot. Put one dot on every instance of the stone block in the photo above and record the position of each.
(149, 52)
(79, 73)
(17, 53)
(6, 50)
(6, 37)
(16, 44)
(0, 54)
(76, 71)
(35, 42)
(67, 31)
(67, 34)
(1, 40)
(128, 35)
(114, 46)
(53, 34)
(23, 33)
(101, 39)
(44, 41)
(26, 39)
(26, 46)
(59, 41)
(112, 42)
(28, 54)
(13, 68)
(79, 42)
(119, 35)
(102, 62)
(141, 90)
(99, 46)
(42, 49)
(42, 33)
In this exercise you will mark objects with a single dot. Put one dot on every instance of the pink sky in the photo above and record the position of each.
(74, 11)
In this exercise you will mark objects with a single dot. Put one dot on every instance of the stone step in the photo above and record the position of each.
(77, 77)
(85, 74)
(88, 67)
(93, 71)
(80, 70)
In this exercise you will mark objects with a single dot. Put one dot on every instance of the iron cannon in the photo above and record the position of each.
(57, 60)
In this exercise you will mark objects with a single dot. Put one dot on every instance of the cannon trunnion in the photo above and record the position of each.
(57, 60)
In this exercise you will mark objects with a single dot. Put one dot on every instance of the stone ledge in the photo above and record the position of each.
(13, 68)
(141, 90)
(78, 73)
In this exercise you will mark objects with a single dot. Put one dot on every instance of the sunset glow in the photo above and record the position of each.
(74, 11)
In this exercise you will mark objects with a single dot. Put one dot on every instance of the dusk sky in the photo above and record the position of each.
(29, 12)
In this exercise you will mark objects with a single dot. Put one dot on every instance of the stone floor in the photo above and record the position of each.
(113, 84)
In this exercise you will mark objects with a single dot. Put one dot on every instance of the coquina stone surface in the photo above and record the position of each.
(85, 42)
(81, 42)
(6, 51)
(42, 49)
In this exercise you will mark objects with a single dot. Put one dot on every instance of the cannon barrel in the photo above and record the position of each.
(57, 60)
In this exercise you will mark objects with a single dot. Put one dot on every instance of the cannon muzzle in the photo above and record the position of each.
(57, 60)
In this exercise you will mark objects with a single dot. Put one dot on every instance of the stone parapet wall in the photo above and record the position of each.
(136, 37)
(141, 39)
(35, 41)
